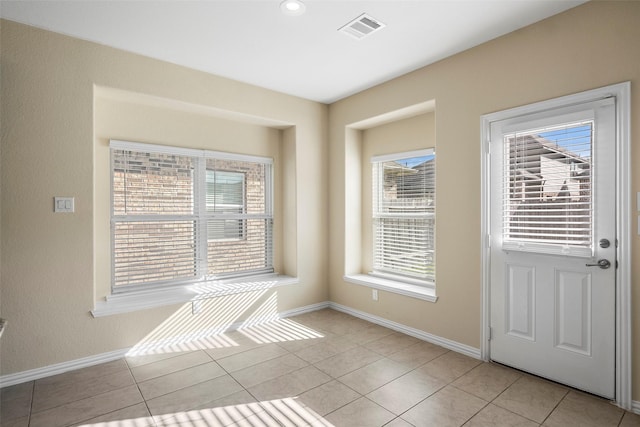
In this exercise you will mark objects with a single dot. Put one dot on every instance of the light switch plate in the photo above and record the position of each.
(63, 204)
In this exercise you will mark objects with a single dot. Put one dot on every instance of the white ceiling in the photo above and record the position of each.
(305, 56)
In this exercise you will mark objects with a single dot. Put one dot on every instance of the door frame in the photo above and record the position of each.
(622, 92)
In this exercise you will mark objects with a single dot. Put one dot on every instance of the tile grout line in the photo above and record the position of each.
(487, 402)
(74, 383)
(33, 392)
(153, 418)
(84, 398)
(235, 380)
(258, 401)
(422, 400)
(171, 373)
(498, 395)
(31, 413)
(555, 407)
(383, 356)
(476, 413)
(317, 386)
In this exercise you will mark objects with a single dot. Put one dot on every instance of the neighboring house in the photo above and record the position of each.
(549, 191)
(402, 181)
(542, 170)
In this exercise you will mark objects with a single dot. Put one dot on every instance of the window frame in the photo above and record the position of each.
(530, 124)
(199, 215)
(387, 276)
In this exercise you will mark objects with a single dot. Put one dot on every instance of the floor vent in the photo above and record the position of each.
(364, 25)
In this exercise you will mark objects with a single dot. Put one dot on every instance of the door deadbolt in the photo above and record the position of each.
(604, 243)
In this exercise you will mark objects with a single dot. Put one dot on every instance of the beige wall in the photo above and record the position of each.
(593, 45)
(54, 262)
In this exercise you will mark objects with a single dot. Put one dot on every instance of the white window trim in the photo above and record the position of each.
(158, 297)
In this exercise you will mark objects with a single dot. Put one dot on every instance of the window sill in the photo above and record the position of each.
(134, 301)
(394, 286)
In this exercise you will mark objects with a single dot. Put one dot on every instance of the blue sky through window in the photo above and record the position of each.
(575, 138)
(413, 161)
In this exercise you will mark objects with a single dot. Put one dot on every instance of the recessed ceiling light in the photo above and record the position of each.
(292, 7)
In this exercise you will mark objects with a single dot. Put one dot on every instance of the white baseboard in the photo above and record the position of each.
(425, 336)
(59, 368)
(635, 407)
(305, 309)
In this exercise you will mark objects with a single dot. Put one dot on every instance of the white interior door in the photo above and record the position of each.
(553, 245)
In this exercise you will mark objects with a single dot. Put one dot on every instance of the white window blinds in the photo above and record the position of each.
(404, 215)
(547, 192)
(182, 216)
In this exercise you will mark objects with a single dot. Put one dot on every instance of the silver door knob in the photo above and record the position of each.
(602, 263)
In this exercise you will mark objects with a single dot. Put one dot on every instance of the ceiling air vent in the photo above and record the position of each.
(362, 26)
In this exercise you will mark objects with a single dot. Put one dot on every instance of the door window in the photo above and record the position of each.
(547, 191)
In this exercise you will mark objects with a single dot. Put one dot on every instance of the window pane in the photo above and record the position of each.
(404, 217)
(225, 191)
(405, 246)
(236, 183)
(219, 229)
(225, 195)
(252, 253)
(407, 185)
(148, 183)
(158, 251)
(547, 186)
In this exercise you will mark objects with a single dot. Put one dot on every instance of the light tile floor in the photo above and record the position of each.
(324, 368)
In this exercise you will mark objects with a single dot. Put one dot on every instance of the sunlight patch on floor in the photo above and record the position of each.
(207, 324)
(185, 330)
(265, 325)
(277, 412)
